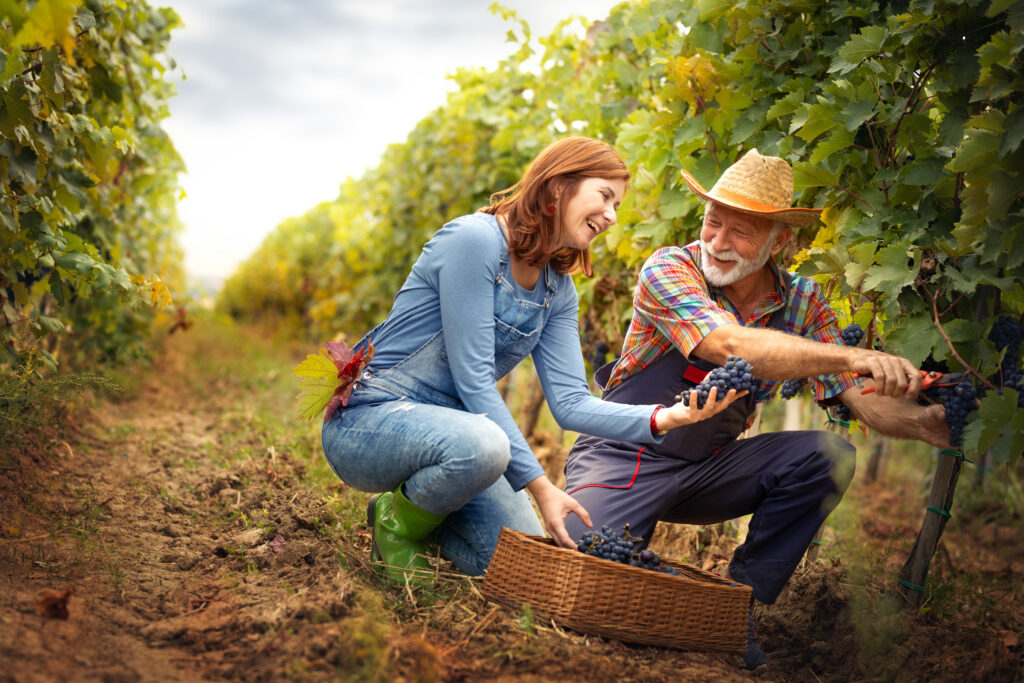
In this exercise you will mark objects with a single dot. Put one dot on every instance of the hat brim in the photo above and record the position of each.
(796, 216)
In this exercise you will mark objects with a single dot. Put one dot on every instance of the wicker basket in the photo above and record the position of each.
(694, 611)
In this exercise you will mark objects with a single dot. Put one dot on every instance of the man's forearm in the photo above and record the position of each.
(899, 418)
(775, 355)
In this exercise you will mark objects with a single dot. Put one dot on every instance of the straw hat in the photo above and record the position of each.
(757, 185)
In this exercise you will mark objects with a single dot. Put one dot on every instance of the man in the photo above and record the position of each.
(693, 307)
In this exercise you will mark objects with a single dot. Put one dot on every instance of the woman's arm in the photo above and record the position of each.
(559, 362)
(467, 265)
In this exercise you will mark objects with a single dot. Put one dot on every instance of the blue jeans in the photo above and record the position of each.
(450, 460)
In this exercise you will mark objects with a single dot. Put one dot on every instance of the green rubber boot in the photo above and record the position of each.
(400, 530)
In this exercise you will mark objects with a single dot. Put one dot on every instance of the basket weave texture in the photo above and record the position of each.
(697, 610)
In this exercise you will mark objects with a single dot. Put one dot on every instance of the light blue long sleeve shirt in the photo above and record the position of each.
(452, 288)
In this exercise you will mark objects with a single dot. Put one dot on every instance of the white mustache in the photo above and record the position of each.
(720, 255)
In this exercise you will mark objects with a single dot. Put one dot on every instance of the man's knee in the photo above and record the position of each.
(825, 457)
(841, 458)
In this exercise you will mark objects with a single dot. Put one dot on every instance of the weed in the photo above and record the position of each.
(527, 619)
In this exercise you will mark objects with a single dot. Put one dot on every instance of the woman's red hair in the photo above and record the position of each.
(552, 179)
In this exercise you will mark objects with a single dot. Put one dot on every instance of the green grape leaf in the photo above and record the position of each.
(859, 47)
(999, 425)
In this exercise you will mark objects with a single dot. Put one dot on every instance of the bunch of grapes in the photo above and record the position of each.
(852, 334)
(736, 374)
(617, 546)
(958, 400)
(1007, 334)
(843, 413)
(793, 387)
(600, 355)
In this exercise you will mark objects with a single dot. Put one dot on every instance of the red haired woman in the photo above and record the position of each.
(425, 423)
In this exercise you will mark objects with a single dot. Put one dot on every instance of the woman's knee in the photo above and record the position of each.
(484, 444)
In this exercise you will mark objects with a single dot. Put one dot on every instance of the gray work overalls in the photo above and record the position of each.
(701, 474)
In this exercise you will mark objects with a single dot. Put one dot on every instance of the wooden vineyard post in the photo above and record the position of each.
(982, 468)
(794, 417)
(915, 571)
(841, 427)
(755, 425)
(534, 402)
(879, 458)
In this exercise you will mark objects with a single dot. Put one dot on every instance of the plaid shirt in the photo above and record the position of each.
(674, 304)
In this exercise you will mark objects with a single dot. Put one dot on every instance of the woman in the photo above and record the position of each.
(425, 422)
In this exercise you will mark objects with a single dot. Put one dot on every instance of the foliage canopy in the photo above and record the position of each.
(903, 120)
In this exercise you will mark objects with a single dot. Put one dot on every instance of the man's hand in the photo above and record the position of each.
(934, 429)
(555, 505)
(892, 375)
(898, 417)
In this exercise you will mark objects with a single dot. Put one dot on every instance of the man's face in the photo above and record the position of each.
(734, 245)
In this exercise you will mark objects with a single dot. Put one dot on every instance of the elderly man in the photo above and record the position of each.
(693, 307)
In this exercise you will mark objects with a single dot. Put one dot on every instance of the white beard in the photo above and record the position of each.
(743, 267)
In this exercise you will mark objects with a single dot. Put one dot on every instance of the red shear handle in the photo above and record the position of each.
(928, 378)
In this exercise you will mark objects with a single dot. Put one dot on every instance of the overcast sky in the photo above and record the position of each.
(284, 99)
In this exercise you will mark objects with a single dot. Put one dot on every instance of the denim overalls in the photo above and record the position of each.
(406, 424)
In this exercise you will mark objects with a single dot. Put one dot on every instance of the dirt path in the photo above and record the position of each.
(202, 538)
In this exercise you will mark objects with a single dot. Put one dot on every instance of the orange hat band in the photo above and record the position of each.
(739, 200)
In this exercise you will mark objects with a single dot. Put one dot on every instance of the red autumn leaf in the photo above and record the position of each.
(350, 368)
(54, 605)
(277, 545)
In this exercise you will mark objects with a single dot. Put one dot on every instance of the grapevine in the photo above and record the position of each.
(736, 374)
(617, 546)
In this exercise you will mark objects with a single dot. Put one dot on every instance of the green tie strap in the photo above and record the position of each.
(919, 589)
(842, 423)
(956, 454)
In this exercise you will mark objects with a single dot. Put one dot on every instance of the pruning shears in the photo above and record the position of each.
(930, 379)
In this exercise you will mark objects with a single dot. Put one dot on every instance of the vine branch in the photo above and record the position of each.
(855, 196)
(949, 342)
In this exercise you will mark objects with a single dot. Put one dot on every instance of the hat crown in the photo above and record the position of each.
(767, 180)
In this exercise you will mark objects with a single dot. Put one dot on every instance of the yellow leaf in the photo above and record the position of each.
(825, 238)
(49, 23)
(318, 379)
(697, 77)
(316, 365)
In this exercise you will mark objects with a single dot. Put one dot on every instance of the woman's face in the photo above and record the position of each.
(590, 211)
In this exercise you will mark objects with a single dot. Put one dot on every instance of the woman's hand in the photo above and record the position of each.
(680, 414)
(555, 505)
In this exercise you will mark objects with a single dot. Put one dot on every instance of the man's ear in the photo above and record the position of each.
(780, 240)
